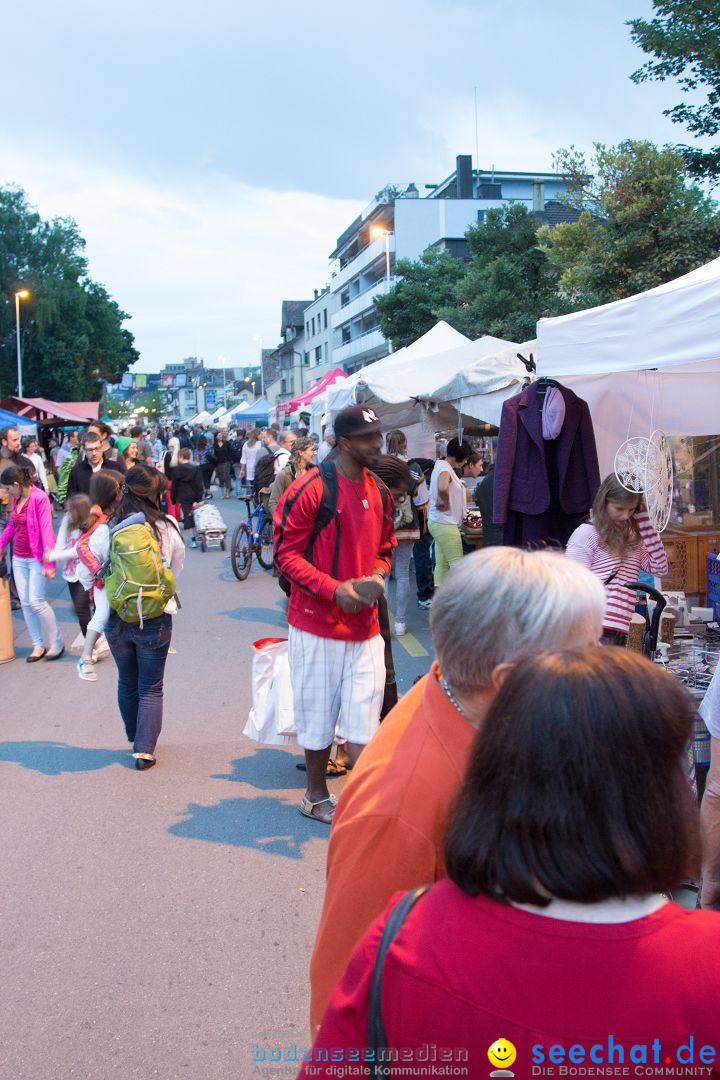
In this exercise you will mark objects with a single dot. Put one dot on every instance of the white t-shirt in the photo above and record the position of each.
(456, 496)
(248, 458)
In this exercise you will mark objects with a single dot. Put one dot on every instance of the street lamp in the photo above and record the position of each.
(252, 383)
(23, 294)
(262, 369)
(378, 230)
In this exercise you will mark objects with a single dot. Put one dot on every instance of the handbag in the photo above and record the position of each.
(377, 1039)
(271, 719)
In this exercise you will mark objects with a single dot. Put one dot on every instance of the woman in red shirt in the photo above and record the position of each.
(553, 942)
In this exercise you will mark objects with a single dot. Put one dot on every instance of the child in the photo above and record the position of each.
(187, 489)
(78, 519)
(89, 550)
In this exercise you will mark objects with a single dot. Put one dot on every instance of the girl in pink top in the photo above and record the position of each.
(30, 527)
(618, 543)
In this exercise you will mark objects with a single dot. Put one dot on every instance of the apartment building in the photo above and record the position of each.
(319, 335)
(291, 356)
(400, 224)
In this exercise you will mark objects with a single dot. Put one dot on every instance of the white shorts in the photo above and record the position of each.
(336, 684)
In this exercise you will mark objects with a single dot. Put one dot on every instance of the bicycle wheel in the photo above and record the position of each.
(241, 552)
(265, 545)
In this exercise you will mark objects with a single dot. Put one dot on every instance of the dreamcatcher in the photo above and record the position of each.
(645, 466)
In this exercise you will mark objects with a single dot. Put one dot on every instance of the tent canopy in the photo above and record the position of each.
(259, 410)
(648, 361)
(285, 408)
(45, 411)
(441, 380)
(11, 419)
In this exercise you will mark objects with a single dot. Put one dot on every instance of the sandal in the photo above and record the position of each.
(332, 771)
(86, 670)
(308, 808)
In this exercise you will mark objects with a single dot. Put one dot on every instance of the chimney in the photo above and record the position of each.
(411, 192)
(316, 293)
(464, 181)
(538, 198)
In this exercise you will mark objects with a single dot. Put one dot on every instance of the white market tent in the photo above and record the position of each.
(648, 361)
(441, 380)
(203, 417)
(226, 417)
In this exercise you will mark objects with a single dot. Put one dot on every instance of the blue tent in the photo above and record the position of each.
(11, 419)
(258, 411)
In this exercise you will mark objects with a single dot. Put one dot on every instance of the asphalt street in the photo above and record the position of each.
(157, 925)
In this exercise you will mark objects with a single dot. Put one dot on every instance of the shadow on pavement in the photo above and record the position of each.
(267, 769)
(272, 826)
(55, 758)
(264, 615)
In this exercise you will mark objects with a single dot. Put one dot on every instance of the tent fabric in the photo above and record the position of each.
(673, 326)
(259, 410)
(11, 419)
(231, 414)
(285, 408)
(43, 408)
(86, 409)
(649, 361)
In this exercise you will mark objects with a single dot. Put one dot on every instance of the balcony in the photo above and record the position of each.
(362, 260)
(374, 339)
(361, 303)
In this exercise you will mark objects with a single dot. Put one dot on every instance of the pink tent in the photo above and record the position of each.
(285, 408)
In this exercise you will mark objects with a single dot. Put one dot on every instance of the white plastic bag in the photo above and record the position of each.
(271, 719)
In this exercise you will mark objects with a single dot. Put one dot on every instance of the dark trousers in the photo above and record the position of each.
(390, 697)
(81, 603)
(423, 566)
(140, 655)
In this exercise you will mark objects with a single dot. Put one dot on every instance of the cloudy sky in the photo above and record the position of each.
(212, 153)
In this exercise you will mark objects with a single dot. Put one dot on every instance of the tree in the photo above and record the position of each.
(641, 224)
(411, 308)
(508, 284)
(72, 333)
(684, 37)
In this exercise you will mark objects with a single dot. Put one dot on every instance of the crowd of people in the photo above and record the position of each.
(502, 857)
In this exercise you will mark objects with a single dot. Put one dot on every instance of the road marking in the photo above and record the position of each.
(409, 642)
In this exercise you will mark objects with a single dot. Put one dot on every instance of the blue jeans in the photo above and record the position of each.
(423, 566)
(39, 618)
(140, 656)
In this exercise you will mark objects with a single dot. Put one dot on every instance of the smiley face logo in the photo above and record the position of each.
(502, 1054)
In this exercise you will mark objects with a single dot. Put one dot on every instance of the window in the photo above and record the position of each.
(306, 358)
(327, 348)
(307, 329)
(313, 326)
(325, 319)
(318, 354)
(345, 335)
(481, 215)
(345, 298)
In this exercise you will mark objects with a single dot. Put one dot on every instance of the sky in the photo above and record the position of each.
(211, 154)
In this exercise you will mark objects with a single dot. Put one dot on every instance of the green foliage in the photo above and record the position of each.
(683, 37)
(643, 224)
(71, 330)
(508, 285)
(425, 287)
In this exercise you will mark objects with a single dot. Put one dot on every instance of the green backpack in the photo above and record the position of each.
(138, 586)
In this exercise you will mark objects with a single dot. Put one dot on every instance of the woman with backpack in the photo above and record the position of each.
(302, 458)
(140, 648)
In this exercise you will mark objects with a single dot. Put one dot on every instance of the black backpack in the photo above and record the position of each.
(327, 510)
(265, 470)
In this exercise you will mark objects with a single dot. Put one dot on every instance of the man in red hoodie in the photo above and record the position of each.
(335, 575)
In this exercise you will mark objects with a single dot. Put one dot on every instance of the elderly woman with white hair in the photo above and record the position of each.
(495, 609)
(170, 462)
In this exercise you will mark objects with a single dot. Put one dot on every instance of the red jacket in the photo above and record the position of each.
(366, 540)
(464, 972)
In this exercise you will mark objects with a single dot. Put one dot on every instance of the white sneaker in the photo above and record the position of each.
(400, 628)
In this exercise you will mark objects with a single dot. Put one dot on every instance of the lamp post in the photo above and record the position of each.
(23, 294)
(262, 369)
(221, 358)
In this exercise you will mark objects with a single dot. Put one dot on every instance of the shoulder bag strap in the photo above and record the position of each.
(377, 1039)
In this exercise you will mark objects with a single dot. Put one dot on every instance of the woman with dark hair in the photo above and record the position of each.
(206, 461)
(554, 935)
(30, 529)
(302, 458)
(447, 507)
(223, 463)
(140, 649)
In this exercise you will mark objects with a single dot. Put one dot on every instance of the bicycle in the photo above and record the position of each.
(254, 536)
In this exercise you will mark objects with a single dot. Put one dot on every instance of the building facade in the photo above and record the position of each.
(319, 335)
(400, 224)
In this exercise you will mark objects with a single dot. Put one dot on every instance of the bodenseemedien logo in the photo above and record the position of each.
(501, 1054)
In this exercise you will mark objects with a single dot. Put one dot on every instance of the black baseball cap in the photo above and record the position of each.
(356, 420)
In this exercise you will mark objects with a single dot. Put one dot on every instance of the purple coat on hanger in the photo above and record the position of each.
(522, 483)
